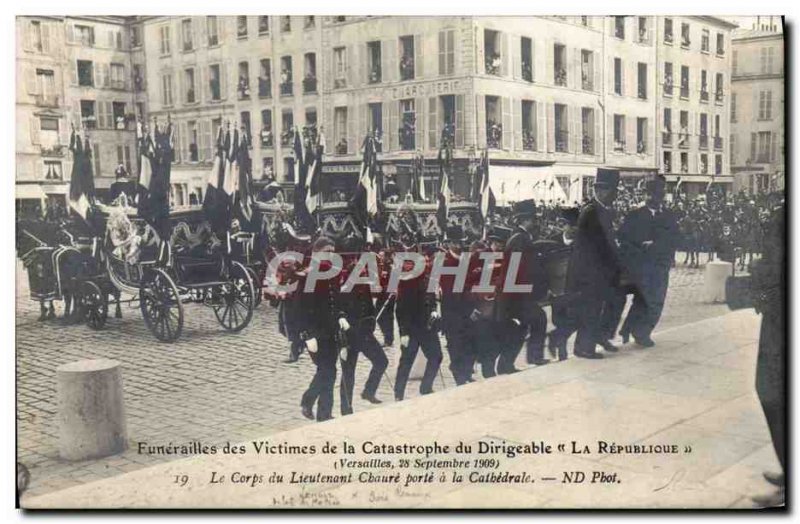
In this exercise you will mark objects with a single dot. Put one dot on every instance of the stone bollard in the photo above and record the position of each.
(91, 414)
(714, 285)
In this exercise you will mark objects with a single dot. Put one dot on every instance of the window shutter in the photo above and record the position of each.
(753, 138)
(773, 143)
(353, 65)
(515, 51)
(517, 117)
(549, 72)
(353, 144)
(106, 74)
(451, 51)
(506, 63)
(394, 125)
(389, 66)
(363, 53)
(110, 39)
(609, 132)
(46, 38)
(481, 65)
(419, 56)
(576, 134)
(184, 141)
(507, 123)
(97, 74)
(650, 143)
(38, 169)
(541, 126)
(70, 33)
(327, 70)
(480, 103)
(433, 123)
(63, 132)
(577, 81)
(101, 114)
(35, 130)
(27, 36)
(30, 81)
(419, 138)
(204, 77)
(551, 127)
(363, 123)
(223, 84)
(205, 153)
(630, 139)
(459, 121)
(74, 74)
(328, 124)
(598, 132)
(443, 52)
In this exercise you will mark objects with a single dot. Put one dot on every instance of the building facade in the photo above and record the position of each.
(552, 98)
(72, 71)
(757, 108)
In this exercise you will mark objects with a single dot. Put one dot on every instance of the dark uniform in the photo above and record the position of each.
(360, 313)
(562, 311)
(385, 302)
(593, 267)
(414, 310)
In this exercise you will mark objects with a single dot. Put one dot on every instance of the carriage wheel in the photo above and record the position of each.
(238, 299)
(94, 305)
(161, 306)
(257, 285)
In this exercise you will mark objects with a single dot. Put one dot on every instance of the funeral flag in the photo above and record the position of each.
(486, 194)
(444, 190)
(81, 184)
(313, 177)
(244, 198)
(215, 203)
(365, 200)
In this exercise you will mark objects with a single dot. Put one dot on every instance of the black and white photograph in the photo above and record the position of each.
(400, 261)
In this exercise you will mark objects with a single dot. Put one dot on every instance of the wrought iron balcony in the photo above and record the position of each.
(587, 145)
(562, 141)
(703, 141)
(666, 138)
(310, 84)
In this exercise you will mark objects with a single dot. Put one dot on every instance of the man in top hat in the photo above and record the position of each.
(456, 308)
(525, 308)
(647, 240)
(594, 264)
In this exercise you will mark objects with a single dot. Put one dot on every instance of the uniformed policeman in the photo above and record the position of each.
(594, 265)
(562, 312)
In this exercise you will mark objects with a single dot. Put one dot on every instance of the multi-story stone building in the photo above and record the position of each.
(72, 71)
(694, 57)
(757, 107)
(552, 98)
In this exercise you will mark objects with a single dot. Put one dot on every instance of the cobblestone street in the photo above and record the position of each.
(210, 385)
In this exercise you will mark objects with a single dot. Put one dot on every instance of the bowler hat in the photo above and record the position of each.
(607, 177)
(524, 207)
(655, 183)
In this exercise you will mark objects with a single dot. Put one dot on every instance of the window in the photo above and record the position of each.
(166, 89)
(192, 139)
(309, 22)
(87, 114)
(733, 107)
(286, 75)
(526, 54)
(138, 77)
(684, 163)
(408, 125)
(287, 127)
(683, 135)
(703, 131)
(53, 170)
(720, 44)
(644, 34)
(735, 62)
(339, 67)
(561, 123)
(619, 133)
(84, 34)
(265, 79)
(703, 164)
(667, 162)
(36, 35)
(263, 25)
(310, 79)
(685, 40)
(704, 86)
(286, 24)
(765, 105)
(685, 82)
(165, 43)
(732, 149)
(119, 114)
(718, 94)
(619, 27)
(374, 62)
(587, 70)
(560, 64)
(492, 52)
(340, 130)
(668, 79)
(618, 76)
(124, 157)
(267, 168)
(188, 81)
(717, 164)
(641, 135)
(668, 31)
(587, 130)
(46, 87)
(447, 54)
(118, 76)
(528, 125)
(375, 123)
(642, 73)
(704, 41)
(407, 57)
(443, 121)
(666, 134)
(215, 82)
(244, 120)
(118, 40)
(48, 123)
(288, 168)
(186, 34)
(243, 84)
(241, 27)
(767, 60)
(85, 73)
(136, 36)
(212, 26)
(494, 123)
(717, 136)
(266, 136)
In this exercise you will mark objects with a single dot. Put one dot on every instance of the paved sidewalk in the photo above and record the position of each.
(694, 389)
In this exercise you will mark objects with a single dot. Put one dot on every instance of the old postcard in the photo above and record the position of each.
(392, 262)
